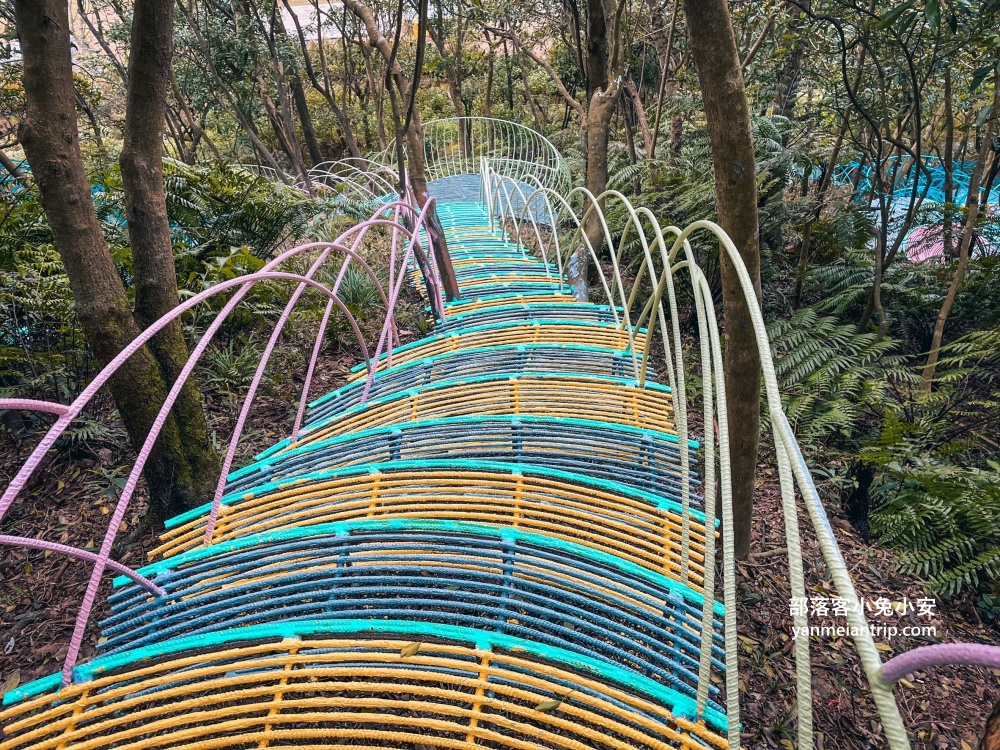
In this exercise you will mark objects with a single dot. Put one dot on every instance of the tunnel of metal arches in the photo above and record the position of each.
(499, 535)
(465, 551)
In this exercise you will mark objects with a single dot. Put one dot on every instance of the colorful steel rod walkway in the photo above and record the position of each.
(495, 536)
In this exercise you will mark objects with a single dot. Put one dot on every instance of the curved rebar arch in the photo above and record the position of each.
(456, 145)
(792, 470)
(347, 244)
(521, 196)
(359, 177)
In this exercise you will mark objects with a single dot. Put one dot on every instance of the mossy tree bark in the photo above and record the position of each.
(183, 469)
(603, 74)
(713, 46)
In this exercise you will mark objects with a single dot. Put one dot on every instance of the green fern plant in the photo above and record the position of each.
(947, 518)
(831, 376)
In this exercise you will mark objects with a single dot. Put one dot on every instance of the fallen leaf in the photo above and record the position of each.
(12, 681)
(410, 649)
(549, 705)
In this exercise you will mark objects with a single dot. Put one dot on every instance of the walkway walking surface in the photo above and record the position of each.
(490, 550)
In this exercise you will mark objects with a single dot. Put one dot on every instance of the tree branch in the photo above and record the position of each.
(544, 65)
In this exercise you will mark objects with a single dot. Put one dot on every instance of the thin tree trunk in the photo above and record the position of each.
(376, 87)
(666, 73)
(527, 94)
(990, 181)
(280, 112)
(488, 98)
(51, 141)
(192, 462)
(302, 108)
(297, 94)
(414, 140)
(245, 122)
(972, 204)
(640, 113)
(97, 30)
(323, 88)
(12, 168)
(949, 165)
(790, 75)
(713, 45)
(94, 126)
(510, 79)
(755, 48)
(831, 164)
(193, 124)
(824, 186)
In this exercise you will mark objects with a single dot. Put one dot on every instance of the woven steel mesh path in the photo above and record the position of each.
(485, 550)
(493, 537)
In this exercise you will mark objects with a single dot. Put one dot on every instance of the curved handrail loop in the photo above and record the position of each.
(456, 146)
(666, 251)
(401, 219)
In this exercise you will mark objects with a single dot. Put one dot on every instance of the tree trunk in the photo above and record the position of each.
(791, 72)
(604, 74)
(664, 48)
(191, 460)
(52, 143)
(990, 181)
(949, 166)
(324, 89)
(192, 121)
(414, 141)
(713, 45)
(640, 113)
(991, 732)
(417, 172)
(972, 203)
(510, 79)
(244, 120)
(528, 97)
(302, 108)
(831, 164)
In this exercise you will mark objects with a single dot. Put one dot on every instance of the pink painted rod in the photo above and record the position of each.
(81, 554)
(941, 654)
(394, 295)
(30, 404)
(268, 351)
(90, 595)
(304, 398)
(272, 342)
(67, 414)
(317, 347)
(73, 410)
